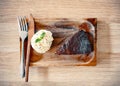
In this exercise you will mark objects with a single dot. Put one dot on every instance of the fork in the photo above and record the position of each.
(23, 33)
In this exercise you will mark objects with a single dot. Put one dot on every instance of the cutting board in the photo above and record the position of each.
(50, 58)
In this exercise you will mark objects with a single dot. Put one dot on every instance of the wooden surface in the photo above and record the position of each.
(107, 71)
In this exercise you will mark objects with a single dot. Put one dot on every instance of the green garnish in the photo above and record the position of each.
(40, 38)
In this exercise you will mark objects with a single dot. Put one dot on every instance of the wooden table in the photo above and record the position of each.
(107, 71)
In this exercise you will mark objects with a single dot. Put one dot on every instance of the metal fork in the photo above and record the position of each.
(23, 33)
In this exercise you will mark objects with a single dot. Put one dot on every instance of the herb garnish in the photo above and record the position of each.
(40, 38)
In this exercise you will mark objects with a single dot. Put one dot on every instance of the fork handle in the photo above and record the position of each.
(22, 63)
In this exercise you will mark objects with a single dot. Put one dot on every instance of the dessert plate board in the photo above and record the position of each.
(50, 58)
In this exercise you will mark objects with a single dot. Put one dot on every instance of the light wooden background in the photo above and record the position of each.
(107, 71)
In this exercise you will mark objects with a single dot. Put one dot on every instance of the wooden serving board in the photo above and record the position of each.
(50, 58)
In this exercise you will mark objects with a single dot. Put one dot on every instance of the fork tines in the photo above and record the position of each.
(22, 23)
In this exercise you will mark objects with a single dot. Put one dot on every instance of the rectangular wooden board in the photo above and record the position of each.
(50, 58)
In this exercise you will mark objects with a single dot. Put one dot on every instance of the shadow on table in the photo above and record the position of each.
(103, 43)
(43, 71)
(103, 49)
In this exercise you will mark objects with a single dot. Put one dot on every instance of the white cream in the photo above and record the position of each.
(44, 44)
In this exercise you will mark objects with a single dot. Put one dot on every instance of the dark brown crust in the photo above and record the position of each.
(78, 43)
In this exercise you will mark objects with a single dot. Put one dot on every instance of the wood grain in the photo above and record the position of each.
(107, 71)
